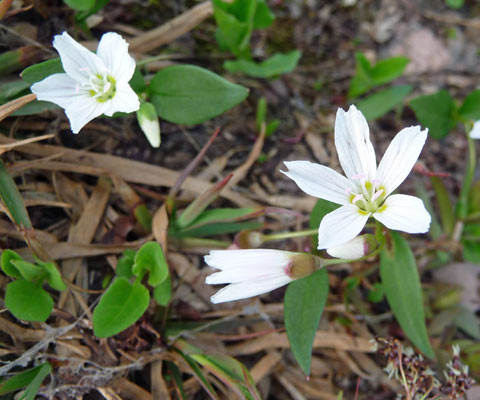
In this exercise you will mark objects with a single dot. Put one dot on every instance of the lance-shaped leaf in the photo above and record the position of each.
(305, 300)
(32, 378)
(401, 283)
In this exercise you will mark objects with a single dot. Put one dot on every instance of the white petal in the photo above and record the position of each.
(248, 273)
(354, 148)
(319, 181)
(125, 100)
(351, 250)
(248, 258)
(400, 157)
(82, 110)
(243, 290)
(78, 62)
(113, 50)
(60, 89)
(475, 132)
(340, 226)
(404, 213)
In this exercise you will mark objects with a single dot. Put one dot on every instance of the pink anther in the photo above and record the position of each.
(359, 176)
(357, 198)
(377, 194)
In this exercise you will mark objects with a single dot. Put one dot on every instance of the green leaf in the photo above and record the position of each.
(80, 5)
(376, 294)
(40, 71)
(163, 292)
(361, 81)
(224, 215)
(471, 248)
(150, 258)
(120, 306)
(279, 63)
(387, 70)
(381, 102)
(322, 208)
(304, 302)
(454, 3)
(137, 83)
(35, 107)
(7, 266)
(264, 16)
(436, 112)
(30, 272)
(185, 94)
(470, 109)
(401, 283)
(32, 377)
(54, 278)
(28, 301)
(9, 90)
(12, 199)
(125, 264)
(218, 228)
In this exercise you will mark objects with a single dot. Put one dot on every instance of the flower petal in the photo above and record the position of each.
(113, 50)
(475, 132)
(78, 62)
(404, 213)
(351, 250)
(82, 110)
(340, 226)
(248, 258)
(319, 181)
(354, 148)
(243, 290)
(60, 89)
(400, 157)
(125, 100)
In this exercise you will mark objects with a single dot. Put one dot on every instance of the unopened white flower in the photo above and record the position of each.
(94, 84)
(255, 271)
(366, 191)
(356, 248)
(148, 120)
(475, 132)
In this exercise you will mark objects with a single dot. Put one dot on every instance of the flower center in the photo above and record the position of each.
(368, 196)
(102, 87)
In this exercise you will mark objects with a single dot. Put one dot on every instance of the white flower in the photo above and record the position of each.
(148, 120)
(94, 84)
(475, 132)
(355, 248)
(366, 191)
(255, 271)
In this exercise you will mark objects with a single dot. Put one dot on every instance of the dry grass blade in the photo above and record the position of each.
(6, 147)
(129, 170)
(172, 29)
(14, 105)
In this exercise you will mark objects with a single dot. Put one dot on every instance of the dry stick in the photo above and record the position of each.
(4, 6)
(14, 105)
(172, 29)
(193, 164)
(7, 147)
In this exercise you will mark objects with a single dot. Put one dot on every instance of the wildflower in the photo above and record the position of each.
(256, 271)
(366, 190)
(94, 84)
(148, 120)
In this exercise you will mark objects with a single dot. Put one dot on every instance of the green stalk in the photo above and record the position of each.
(289, 235)
(461, 210)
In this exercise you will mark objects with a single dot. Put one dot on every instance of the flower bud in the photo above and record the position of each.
(148, 120)
(358, 247)
(303, 264)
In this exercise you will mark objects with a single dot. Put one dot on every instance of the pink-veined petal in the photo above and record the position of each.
(354, 148)
(404, 213)
(113, 50)
(60, 89)
(243, 290)
(340, 226)
(125, 100)
(400, 157)
(319, 181)
(78, 62)
(82, 110)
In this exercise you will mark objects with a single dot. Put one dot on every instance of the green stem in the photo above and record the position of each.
(461, 210)
(148, 60)
(289, 235)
